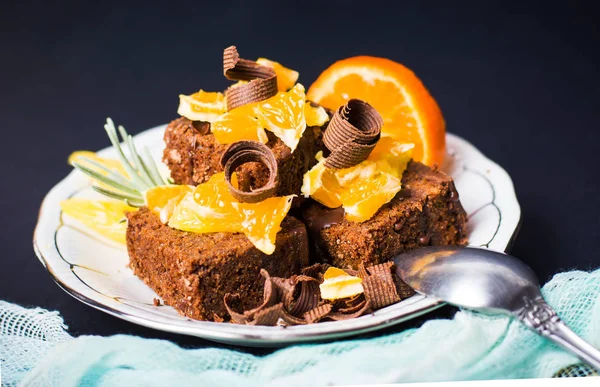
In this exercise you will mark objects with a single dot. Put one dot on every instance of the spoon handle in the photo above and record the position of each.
(540, 317)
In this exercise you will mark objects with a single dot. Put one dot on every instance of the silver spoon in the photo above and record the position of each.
(490, 282)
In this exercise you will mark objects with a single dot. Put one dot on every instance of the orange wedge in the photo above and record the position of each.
(409, 112)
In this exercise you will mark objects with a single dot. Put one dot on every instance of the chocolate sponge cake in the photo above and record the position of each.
(425, 212)
(193, 155)
(193, 272)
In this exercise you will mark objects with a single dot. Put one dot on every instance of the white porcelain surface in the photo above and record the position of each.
(95, 271)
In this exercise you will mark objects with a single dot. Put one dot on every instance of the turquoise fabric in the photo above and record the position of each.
(35, 350)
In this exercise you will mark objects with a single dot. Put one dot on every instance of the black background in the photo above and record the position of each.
(519, 80)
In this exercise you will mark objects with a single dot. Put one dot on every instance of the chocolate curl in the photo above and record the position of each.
(309, 295)
(316, 270)
(318, 313)
(268, 316)
(352, 305)
(285, 289)
(379, 285)
(404, 291)
(243, 152)
(262, 85)
(270, 298)
(352, 134)
(359, 310)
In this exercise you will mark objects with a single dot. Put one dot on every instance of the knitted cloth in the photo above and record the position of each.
(36, 350)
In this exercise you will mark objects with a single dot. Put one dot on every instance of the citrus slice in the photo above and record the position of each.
(409, 112)
(202, 106)
(104, 217)
(237, 126)
(339, 284)
(163, 199)
(283, 115)
(286, 78)
(363, 188)
(210, 207)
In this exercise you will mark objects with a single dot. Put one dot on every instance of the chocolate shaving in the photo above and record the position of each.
(297, 300)
(229, 300)
(352, 134)
(292, 320)
(309, 295)
(268, 316)
(270, 297)
(379, 285)
(243, 152)
(360, 309)
(318, 313)
(316, 270)
(354, 306)
(262, 85)
(285, 288)
(404, 291)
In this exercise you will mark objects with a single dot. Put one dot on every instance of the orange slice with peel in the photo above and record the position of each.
(409, 112)
(202, 106)
(81, 156)
(104, 217)
(210, 207)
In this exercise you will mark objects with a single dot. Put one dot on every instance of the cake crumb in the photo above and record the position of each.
(156, 301)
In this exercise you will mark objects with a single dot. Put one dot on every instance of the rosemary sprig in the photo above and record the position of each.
(142, 171)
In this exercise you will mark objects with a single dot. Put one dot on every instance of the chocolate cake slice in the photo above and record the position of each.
(192, 272)
(193, 155)
(427, 211)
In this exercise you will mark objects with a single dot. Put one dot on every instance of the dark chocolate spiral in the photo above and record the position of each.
(262, 83)
(352, 134)
(243, 152)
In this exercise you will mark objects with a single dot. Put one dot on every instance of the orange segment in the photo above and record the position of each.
(163, 199)
(364, 188)
(361, 201)
(104, 217)
(286, 78)
(238, 125)
(283, 115)
(339, 284)
(321, 184)
(202, 106)
(211, 208)
(409, 112)
(315, 116)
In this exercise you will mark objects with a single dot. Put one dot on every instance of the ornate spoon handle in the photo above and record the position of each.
(540, 317)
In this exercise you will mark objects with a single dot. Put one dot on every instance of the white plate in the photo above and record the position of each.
(95, 271)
